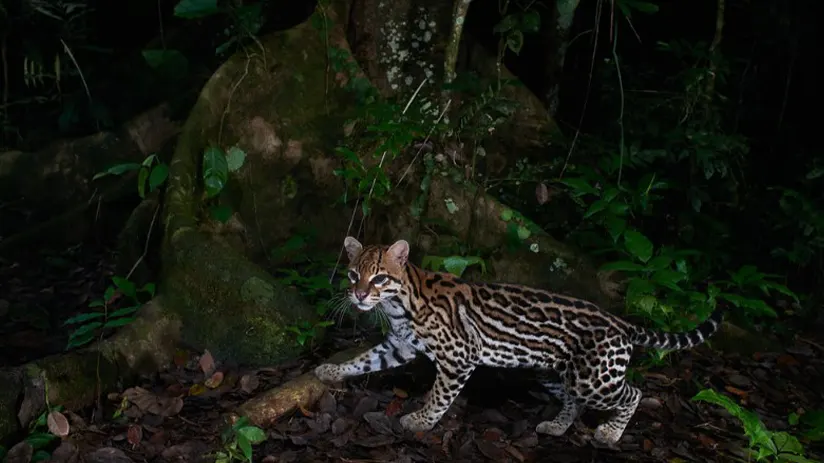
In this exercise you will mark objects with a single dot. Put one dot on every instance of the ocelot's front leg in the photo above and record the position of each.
(449, 381)
(391, 353)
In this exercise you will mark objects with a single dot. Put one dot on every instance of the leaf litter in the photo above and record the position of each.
(175, 415)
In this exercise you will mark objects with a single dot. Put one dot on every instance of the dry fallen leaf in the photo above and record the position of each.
(394, 407)
(542, 193)
(149, 402)
(58, 424)
(207, 363)
(305, 412)
(736, 391)
(135, 434)
(400, 392)
(215, 380)
(197, 389)
(248, 383)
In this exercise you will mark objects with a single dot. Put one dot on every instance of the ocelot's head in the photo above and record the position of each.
(375, 272)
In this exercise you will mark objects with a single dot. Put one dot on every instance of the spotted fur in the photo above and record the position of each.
(460, 325)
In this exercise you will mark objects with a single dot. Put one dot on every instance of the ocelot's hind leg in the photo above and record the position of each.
(570, 410)
(624, 401)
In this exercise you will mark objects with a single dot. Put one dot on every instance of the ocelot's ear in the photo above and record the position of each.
(353, 247)
(399, 252)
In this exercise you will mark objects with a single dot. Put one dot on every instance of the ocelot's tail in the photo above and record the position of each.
(674, 341)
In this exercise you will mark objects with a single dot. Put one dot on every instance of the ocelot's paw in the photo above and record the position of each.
(553, 428)
(329, 373)
(607, 435)
(415, 422)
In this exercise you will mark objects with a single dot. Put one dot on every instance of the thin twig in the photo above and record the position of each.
(146, 244)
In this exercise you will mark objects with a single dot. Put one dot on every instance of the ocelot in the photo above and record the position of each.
(460, 325)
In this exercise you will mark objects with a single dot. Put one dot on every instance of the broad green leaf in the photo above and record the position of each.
(39, 440)
(622, 266)
(117, 322)
(148, 288)
(169, 60)
(615, 226)
(142, 176)
(159, 175)
(221, 212)
(254, 434)
(506, 215)
(507, 23)
(215, 171)
(660, 262)
(455, 265)
(523, 233)
(515, 41)
(83, 317)
(242, 441)
(596, 207)
(235, 158)
(531, 22)
(87, 328)
(125, 286)
(41, 455)
(80, 340)
(190, 9)
(118, 169)
(757, 305)
(786, 442)
(753, 427)
(638, 245)
(610, 194)
(124, 311)
(668, 278)
(580, 186)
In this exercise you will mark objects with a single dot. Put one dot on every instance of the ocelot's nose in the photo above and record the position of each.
(361, 294)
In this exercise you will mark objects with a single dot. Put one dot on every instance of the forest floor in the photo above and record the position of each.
(493, 420)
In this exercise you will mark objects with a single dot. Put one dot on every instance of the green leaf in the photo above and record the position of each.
(757, 305)
(235, 158)
(254, 434)
(507, 23)
(81, 340)
(786, 442)
(242, 441)
(638, 245)
(142, 176)
(515, 41)
(190, 9)
(506, 215)
(580, 186)
(171, 62)
(39, 440)
(455, 265)
(668, 278)
(615, 226)
(118, 169)
(596, 207)
(159, 175)
(610, 194)
(125, 286)
(83, 317)
(221, 212)
(215, 171)
(87, 328)
(40, 455)
(523, 232)
(622, 266)
(753, 427)
(117, 322)
(531, 22)
(124, 311)
(148, 288)
(660, 262)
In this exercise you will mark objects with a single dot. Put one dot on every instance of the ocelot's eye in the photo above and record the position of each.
(353, 276)
(379, 280)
